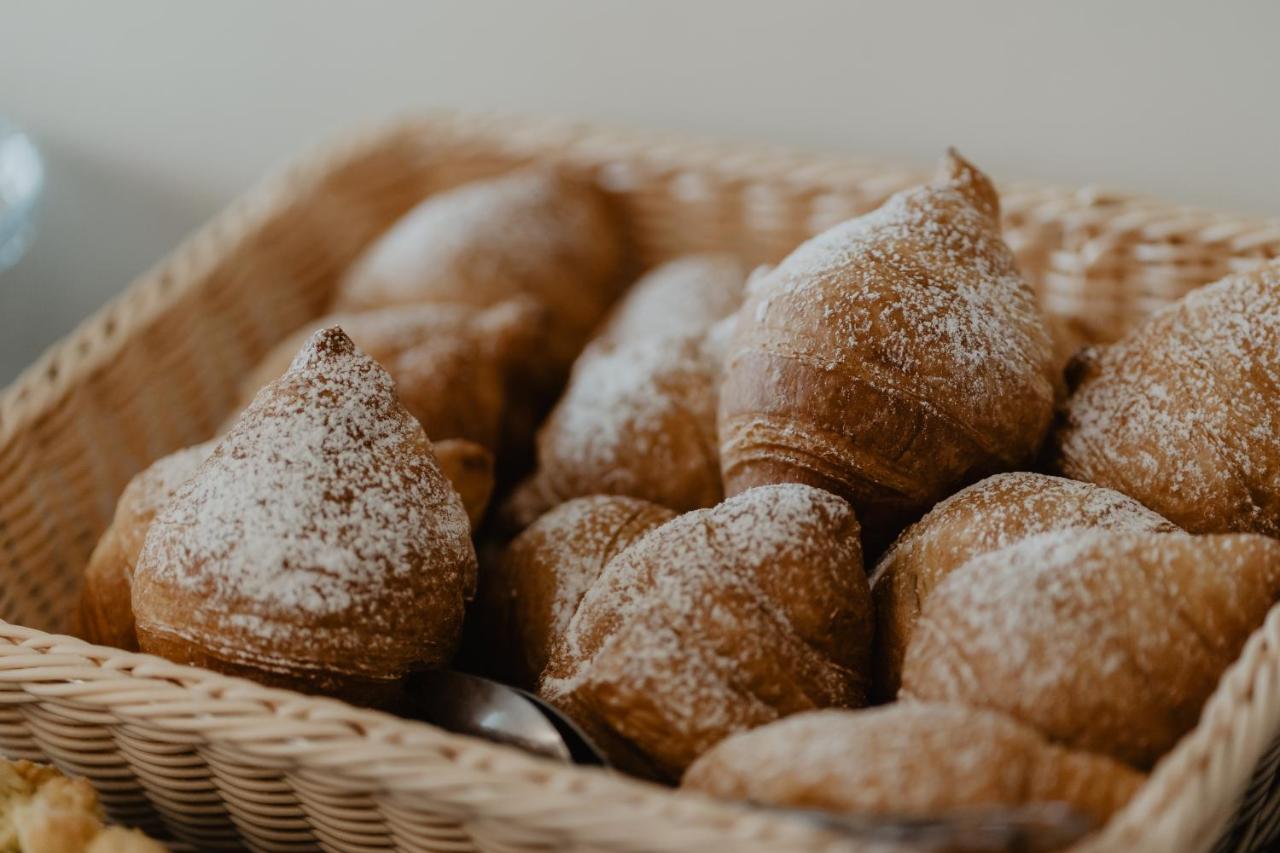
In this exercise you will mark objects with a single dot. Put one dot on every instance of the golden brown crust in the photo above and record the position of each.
(469, 469)
(891, 358)
(987, 516)
(451, 363)
(638, 419)
(529, 596)
(908, 760)
(1104, 641)
(685, 296)
(539, 233)
(105, 614)
(718, 621)
(1181, 414)
(319, 546)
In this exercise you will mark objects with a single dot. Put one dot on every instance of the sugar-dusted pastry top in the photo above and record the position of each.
(1102, 640)
(319, 534)
(987, 516)
(1182, 413)
(774, 574)
(891, 357)
(529, 597)
(683, 296)
(908, 760)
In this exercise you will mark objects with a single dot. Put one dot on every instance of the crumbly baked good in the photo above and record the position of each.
(1181, 413)
(638, 419)
(1104, 641)
(540, 233)
(528, 597)
(890, 359)
(684, 296)
(105, 615)
(985, 517)
(451, 363)
(908, 760)
(319, 546)
(42, 811)
(720, 620)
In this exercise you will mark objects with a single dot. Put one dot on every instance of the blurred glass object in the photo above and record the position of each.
(21, 183)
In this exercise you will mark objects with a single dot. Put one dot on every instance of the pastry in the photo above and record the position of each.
(720, 620)
(905, 761)
(319, 546)
(451, 363)
(685, 296)
(984, 517)
(42, 811)
(536, 232)
(891, 359)
(1103, 641)
(638, 419)
(469, 469)
(105, 615)
(529, 596)
(1181, 413)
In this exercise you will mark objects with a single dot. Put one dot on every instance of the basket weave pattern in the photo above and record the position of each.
(216, 761)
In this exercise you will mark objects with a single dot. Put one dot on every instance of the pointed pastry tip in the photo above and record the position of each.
(958, 172)
(325, 346)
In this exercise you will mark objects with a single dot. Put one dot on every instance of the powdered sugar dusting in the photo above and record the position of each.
(322, 500)
(1091, 636)
(637, 419)
(683, 296)
(1181, 414)
(733, 615)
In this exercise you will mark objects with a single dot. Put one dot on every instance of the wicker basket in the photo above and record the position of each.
(216, 761)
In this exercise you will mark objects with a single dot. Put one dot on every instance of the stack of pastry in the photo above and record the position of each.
(686, 477)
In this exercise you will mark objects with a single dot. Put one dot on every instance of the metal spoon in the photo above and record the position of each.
(471, 705)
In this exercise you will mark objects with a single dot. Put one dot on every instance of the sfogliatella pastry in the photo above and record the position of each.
(529, 596)
(451, 363)
(638, 419)
(536, 232)
(916, 760)
(105, 616)
(319, 546)
(1103, 641)
(987, 516)
(721, 620)
(685, 296)
(1182, 413)
(890, 359)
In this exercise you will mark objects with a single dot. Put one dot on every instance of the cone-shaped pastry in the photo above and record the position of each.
(536, 233)
(1182, 413)
(319, 546)
(681, 297)
(720, 620)
(916, 760)
(985, 517)
(891, 358)
(451, 363)
(529, 596)
(469, 469)
(1104, 641)
(637, 420)
(105, 615)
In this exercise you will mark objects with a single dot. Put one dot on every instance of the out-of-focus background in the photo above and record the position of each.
(152, 114)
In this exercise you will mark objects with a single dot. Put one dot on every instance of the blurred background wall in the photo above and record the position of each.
(153, 113)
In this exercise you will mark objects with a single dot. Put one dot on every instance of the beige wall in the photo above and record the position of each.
(154, 112)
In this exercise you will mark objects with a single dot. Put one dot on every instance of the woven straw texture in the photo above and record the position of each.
(219, 762)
